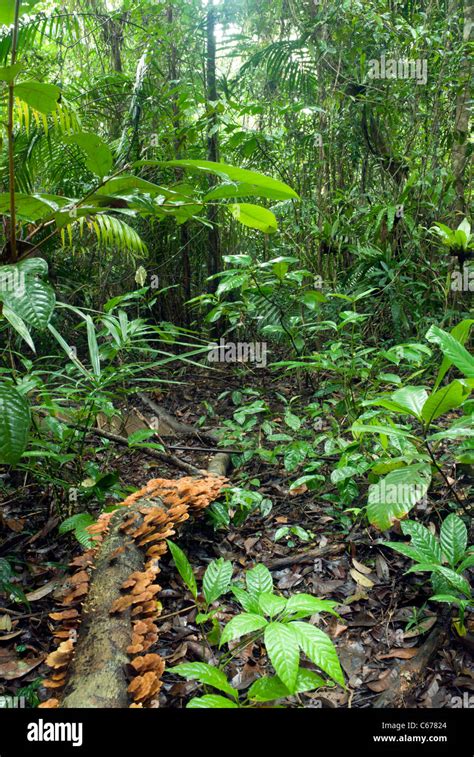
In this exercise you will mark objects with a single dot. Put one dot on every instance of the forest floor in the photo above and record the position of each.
(383, 618)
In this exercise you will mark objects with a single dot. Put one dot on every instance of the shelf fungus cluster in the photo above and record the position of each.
(110, 606)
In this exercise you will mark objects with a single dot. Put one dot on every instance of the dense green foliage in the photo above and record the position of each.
(305, 194)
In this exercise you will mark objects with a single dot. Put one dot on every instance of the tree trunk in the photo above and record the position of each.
(178, 143)
(214, 254)
(460, 157)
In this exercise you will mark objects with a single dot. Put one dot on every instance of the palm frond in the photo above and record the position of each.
(109, 231)
(288, 63)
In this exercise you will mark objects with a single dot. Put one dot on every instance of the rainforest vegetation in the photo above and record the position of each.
(236, 280)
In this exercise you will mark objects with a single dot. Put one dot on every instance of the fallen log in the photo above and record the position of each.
(97, 671)
(110, 607)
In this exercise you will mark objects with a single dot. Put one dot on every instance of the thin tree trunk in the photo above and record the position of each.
(184, 231)
(460, 157)
(214, 253)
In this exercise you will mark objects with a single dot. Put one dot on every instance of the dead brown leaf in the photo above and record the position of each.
(17, 668)
(401, 654)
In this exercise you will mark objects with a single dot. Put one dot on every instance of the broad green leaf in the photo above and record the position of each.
(405, 549)
(248, 601)
(254, 216)
(14, 424)
(127, 184)
(445, 399)
(211, 701)
(292, 420)
(411, 398)
(361, 428)
(259, 579)
(232, 173)
(270, 604)
(309, 605)
(318, 647)
(216, 579)
(28, 207)
(33, 266)
(140, 436)
(231, 282)
(453, 538)
(465, 227)
(388, 404)
(99, 156)
(313, 299)
(8, 73)
(423, 541)
(460, 332)
(7, 10)
(456, 580)
(270, 688)
(295, 453)
(385, 466)
(19, 325)
(391, 498)
(282, 647)
(206, 674)
(453, 350)
(242, 625)
(33, 300)
(343, 473)
(449, 598)
(183, 567)
(468, 562)
(455, 432)
(38, 95)
(235, 190)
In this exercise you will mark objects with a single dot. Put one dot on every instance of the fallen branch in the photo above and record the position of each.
(165, 457)
(181, 429)
(219, 463)
(305, 557)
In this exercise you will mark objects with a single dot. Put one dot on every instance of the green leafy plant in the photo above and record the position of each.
(407, 482)
(272, 619)
(446, 558)
(216, 582)
(237, 505)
